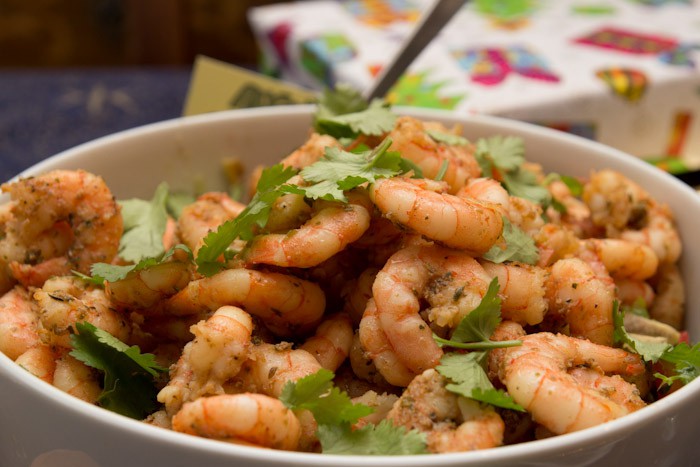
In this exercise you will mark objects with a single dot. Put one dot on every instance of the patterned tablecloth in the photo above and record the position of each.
(623, 72)
(43, 112)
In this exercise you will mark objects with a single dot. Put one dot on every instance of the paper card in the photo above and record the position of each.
(216, 85)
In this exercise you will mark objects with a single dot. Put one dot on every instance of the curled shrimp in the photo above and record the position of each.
(521, 212)
(622, 259)
(270, 367)
(412, 139)
(77, 379)
(522, 290)
(462, 223)
(60, 221)
(584, 295)
(145, 288)
(331, 342)
(451, 423)
(330, 230)
(627, 211)
(284, 302)
(538, 375)
(65, 301)
(253, 419)
(19, 322)
(451, 281)
(217, 353)
(208, 212)
(377, 353)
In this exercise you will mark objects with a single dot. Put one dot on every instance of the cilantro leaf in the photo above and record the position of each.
(340, 171)
(519, 246)
(649, 351)
(327, 403)
(112, 273)
(383, 439)
(254, 215)
(687, 363)
(144, 225)
(376, 120)
(506, 155)
(468, 378)
(344, 99)
(685, 358)
(480, 323)
(129, 387)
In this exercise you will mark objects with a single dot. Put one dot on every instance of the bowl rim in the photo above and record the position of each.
(600, 434)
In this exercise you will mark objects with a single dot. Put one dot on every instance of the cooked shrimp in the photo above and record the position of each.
(538, 376)
(615, 200)
(270, 367)
(411, 138)
(19, 322)
(144, 288)
(627, 211)
(77, 379)
(287, 213)
(284, 302)
(576, 215)
(66, 218)
(65, 301)
(461, 223)
(253, 419)
(217, 353)
(659, 232)
(311, 151)
(522, 290)
(375, 345)
(522, 213)
(451, 423)
(584, 297)
(330, 230)
(621, 258)
(451, 281)
(629, 292)
(331, 343)
(206, 214)
(356, 292)
(380, 403)
(40, 361)
(555, 242)
(669, 304)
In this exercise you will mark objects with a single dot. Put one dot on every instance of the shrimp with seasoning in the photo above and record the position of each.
(451, 423)
(538, 375)
(461, 223)
(216, 354)
(252, 419)
(61, 221)
(286, 303)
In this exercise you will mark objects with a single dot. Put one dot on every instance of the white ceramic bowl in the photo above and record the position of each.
(42, 426)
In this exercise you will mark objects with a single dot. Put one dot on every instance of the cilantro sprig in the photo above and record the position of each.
(102, 272)
(504, 157)
(335, 413)
(684, 358)
(465, 371)
(129, 376)
(344, 113)
(518, 246)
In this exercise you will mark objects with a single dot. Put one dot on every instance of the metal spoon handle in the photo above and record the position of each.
(428, 27)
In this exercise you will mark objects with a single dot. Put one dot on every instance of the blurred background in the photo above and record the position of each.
(74, 70)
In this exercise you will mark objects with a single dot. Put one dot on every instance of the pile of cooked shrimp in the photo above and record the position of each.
(364, 288)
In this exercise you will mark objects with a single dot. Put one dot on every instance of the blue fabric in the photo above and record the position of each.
(43, 112)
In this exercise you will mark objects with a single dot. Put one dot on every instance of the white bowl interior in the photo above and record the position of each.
(187, 153)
